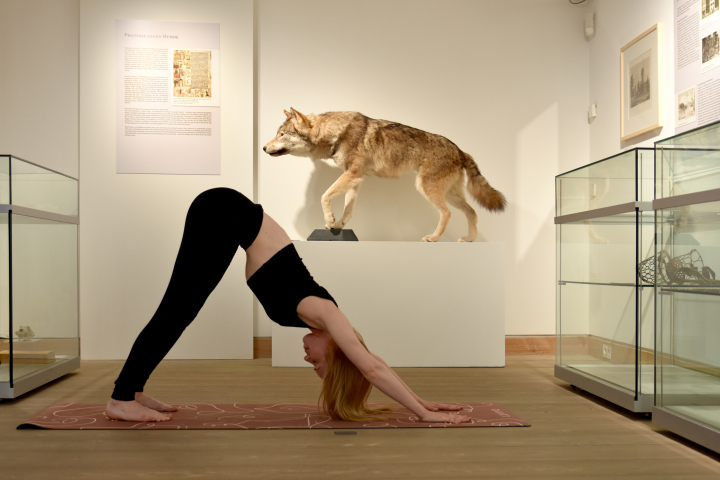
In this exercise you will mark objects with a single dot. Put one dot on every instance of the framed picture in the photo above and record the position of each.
(641, 84)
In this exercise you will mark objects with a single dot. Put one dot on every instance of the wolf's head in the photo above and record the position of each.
(292, 136)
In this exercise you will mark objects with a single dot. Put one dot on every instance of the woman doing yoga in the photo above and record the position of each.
(220, 220)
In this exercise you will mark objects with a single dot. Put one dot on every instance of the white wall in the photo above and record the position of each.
(617, 23)
(131, 225)
(39, 44)
(509, 82)
(506, 81)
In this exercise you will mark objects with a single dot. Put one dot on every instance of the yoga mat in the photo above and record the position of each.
(235, 416)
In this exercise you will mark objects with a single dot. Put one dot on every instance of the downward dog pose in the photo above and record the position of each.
(220, 220)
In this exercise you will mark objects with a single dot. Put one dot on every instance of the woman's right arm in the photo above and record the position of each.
(325, 315)
(432, 406)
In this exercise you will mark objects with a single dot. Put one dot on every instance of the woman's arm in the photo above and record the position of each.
(432, 406)
(323, 314)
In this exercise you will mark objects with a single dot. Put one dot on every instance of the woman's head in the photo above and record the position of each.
(345, 390)
(316, 346)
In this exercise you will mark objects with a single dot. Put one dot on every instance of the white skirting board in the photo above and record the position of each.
(416, 304)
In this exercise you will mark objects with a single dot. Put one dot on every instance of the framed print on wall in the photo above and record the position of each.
(641, 84)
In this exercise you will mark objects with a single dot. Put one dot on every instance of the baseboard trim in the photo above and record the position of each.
(262, 347)
(532, 345)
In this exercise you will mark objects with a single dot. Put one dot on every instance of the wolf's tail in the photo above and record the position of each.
(480, 189)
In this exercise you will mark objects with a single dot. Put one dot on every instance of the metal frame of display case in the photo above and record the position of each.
(700, 387)
(624, 397)
(16, 387)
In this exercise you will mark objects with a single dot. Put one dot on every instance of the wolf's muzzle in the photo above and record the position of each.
(282, 151)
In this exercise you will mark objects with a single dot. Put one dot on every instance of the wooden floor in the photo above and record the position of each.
(574, 435)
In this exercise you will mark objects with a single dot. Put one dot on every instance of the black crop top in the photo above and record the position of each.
(281, 283)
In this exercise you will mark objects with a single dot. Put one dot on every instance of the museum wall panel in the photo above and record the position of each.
(131, 225)
(39, 48)
(506, 81)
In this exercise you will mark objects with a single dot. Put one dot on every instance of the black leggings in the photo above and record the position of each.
(219, 220)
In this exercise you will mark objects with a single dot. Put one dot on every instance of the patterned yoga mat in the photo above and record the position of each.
(229, 416)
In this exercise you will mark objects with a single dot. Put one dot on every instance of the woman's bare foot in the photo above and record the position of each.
(148, 401)
(134, 412)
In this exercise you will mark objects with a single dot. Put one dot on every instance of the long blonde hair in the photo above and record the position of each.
(345, 390)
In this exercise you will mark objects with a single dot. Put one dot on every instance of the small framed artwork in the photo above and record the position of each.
(641, 84)
(686, 112)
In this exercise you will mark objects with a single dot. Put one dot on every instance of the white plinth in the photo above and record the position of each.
(416, 304)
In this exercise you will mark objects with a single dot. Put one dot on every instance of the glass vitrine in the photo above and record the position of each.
(605, 229)
(39, 338)
(688, 285)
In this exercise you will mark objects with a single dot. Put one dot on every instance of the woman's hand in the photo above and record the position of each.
(434, 407)
(444, 418)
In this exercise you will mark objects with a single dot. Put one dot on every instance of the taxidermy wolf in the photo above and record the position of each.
(365, 146)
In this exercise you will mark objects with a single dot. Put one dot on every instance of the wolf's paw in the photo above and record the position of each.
(466, 239)
(330, 221)
(335, 225)
(430, 238)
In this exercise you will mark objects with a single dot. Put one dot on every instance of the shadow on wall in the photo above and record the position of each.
(537, 159)
(387, 209)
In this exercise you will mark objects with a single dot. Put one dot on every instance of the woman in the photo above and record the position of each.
(220, 220)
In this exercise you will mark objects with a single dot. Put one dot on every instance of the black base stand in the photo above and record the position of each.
(332, 235)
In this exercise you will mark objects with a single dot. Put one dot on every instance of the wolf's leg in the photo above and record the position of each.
(350, 198)
(456, 198)
(434, 191)
(346, 182)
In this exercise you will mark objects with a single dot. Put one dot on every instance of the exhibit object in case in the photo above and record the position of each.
(687, 207)
(604, 227)
(39, 338)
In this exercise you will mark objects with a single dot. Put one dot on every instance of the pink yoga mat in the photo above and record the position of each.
(228, 416)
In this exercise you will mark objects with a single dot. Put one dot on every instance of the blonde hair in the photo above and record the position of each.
(345, 390)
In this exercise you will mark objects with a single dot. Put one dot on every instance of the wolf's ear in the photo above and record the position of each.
(301, 119)
(287, 114)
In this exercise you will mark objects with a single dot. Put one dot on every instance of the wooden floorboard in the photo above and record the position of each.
(574, 435)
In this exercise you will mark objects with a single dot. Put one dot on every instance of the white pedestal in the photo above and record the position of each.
(416, 304)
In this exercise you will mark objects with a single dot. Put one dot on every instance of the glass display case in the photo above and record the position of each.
(605, 309)
(39, 339)
(687, 207)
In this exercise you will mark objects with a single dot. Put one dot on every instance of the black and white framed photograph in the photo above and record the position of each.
(641, 84)
(640, 100)
(686, 111)
(710, 11)
(710, 52)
